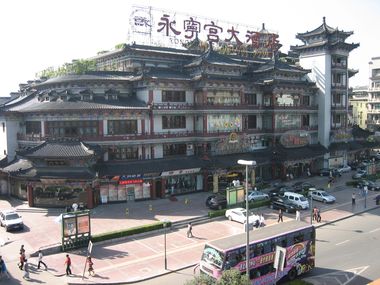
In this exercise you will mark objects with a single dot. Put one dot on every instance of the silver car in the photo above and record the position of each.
(321, 195)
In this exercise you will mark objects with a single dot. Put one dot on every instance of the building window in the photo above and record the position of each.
(251, 99)
(252, 122)
(123, 152)
(174, 149)
(32, 127)
(337, 99)
(306, 100)
(173, 96)
(72, 128)
(173, 122)
(122, 127)
(305, 120)
(336, 119)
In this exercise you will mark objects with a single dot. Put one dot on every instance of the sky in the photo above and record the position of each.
(42, 33)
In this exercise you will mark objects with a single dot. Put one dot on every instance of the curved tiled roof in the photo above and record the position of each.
(213, 57)
(34, 105)
(59, 149)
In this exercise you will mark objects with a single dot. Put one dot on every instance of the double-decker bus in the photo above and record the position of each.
(227, 253)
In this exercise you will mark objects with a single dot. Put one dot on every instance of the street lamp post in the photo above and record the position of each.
(247, 163)
(165, 226)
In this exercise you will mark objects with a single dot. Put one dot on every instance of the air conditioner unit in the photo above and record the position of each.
(189, 146)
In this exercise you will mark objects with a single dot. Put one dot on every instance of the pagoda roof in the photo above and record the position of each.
(62, 148)
(165, 73)
(322, 29)
(33, 105)
(275, 64)
(214, 58)
(321, 44)
(91, 76)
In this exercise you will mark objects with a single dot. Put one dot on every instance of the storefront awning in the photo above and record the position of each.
(181, 172)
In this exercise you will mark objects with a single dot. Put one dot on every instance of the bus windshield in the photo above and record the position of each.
(213, 256)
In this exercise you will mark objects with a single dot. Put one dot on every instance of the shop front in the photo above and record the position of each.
(182, 181)
(59, 194)
(125, 188)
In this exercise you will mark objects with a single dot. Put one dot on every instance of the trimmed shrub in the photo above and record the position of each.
(129, 232)
(216, 213)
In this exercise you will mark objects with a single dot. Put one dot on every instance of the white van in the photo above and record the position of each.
(297, 199)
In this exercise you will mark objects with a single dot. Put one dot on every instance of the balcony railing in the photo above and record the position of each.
(163, 135)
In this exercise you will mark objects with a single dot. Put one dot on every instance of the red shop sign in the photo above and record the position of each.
(130, 181)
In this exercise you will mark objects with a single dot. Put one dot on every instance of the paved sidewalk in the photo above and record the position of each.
(140, 258)
(124, 262)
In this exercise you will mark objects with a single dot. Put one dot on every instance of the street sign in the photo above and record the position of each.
(89, 249)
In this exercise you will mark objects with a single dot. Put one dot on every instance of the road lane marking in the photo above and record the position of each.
(375, 230)
(347, 240)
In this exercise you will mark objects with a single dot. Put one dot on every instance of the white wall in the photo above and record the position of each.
(3, 137)
(320, 65)
(190, 97)
(142, 95)
(12, 127)
(158, 151)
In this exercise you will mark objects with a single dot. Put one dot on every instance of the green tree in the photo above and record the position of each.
(201, 280)
(233, 277)
(229, 277)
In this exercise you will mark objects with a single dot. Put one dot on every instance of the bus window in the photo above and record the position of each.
(284, 243)
(298, 238)
(259, 249)
(233, 257)
(213, 256)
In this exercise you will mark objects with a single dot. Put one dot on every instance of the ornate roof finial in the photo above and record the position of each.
(324, 20)
(263, 26)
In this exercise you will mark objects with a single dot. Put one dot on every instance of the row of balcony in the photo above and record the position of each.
(163, 135)
(187, 106)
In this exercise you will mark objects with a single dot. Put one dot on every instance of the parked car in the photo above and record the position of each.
(302, 186)
(297, 199)
(344, 168)
(321, 195)
(282, 203)
(327, 171)
(257, 195)
(11, 220)
(279, 190)
(216, 202)
(240, 215)
(359, 174)
(374, 186)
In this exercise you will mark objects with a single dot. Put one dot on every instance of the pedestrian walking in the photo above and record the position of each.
(353, 199)
(189, 230)
(262, 220)
(298, 215)
(22, 249)
(3, 268)
(315, 214)
(91, 271)
(26, 269)
(40, 255)
(22, 260)
(280, 214)
(68, 265)
(319, 218)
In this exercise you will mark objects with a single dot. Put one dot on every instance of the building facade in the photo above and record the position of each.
(165, 121)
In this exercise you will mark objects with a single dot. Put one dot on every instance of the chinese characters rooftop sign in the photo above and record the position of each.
(155, 27)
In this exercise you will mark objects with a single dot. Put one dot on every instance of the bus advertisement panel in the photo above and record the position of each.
(297, 237)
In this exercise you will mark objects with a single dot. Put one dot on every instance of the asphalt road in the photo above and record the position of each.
(347, 252)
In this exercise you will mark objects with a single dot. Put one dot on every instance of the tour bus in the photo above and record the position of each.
(297, 237)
